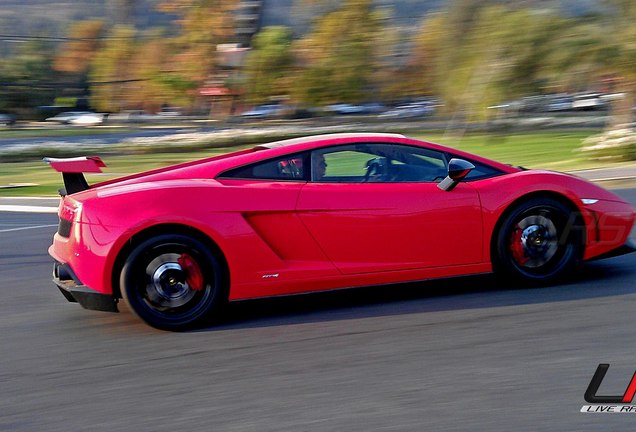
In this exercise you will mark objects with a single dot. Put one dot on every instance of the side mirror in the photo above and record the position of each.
(458, 169)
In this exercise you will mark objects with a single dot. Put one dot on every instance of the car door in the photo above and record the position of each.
(276, 244)
(370, 218)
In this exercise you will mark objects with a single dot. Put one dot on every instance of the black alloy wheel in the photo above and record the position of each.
(173, 282)
(539, 241)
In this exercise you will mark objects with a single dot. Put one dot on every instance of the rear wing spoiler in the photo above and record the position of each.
(72, 170)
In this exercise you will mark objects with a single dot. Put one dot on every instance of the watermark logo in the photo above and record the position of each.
(608, 404)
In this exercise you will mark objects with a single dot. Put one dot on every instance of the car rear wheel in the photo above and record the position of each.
(539, 241)
(173, 282)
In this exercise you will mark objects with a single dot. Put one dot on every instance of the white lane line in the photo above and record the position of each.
(27, 228)
(27, 209)
(32, 198)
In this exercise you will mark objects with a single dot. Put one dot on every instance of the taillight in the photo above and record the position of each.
(69, 212)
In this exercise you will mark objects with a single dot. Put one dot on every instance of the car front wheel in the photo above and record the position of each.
(539, 241)
(173, 282)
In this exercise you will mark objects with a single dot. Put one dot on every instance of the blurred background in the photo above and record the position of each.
(219, 57)
(450, 67)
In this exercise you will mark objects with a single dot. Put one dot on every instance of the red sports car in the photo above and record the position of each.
(318, 213)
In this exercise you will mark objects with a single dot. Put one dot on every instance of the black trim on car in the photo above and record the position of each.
(243, 172)
(628, 247)
(64, 228)
(74, 291)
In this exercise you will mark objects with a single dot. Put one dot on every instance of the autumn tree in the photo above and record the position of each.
(420, 75)
(202, 25)
(473, 56)
(507, 63)
(111, 72)
(75, 55)
(156, 85)
(151, 69)
(339, 57)
(268, 65)
(603, 49)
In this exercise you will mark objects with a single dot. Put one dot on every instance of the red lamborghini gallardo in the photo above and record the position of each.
(318, 213)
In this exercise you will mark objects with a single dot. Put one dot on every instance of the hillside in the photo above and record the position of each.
(296, 14)
(50, 18)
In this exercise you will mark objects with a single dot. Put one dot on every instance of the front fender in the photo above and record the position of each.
(502, 193)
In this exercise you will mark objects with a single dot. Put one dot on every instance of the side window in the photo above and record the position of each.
(482, 171)
(420, 165)
(286, 168)
(377, 163)
(346, 165)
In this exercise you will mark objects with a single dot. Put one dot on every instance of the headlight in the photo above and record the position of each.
(589, 201)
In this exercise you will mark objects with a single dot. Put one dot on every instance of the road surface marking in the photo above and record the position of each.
(27, 209)
(27, 228)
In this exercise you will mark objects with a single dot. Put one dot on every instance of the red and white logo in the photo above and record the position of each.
(608, 404)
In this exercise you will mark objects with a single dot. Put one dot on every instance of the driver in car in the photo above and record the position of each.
(318, 166)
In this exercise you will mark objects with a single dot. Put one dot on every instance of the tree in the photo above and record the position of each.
(597, 52)
(151, 69)
(157, 85)
(509, 63)
(110, 71)
(420, 76)
(339, 57)
(203, 24)
(75, 56)
(474, 56)
(268, 65)
(27, 77)
(618, 53)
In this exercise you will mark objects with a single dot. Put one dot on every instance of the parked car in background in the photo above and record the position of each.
(79, 118)
(409, 111)
(373, 108)
(88, 119)
(588, 102)
(266, 110)
(560, 103)
(348, 109)
(134, 116)
(340, 109)
(7, 119)
(344, 109)
(170, 112)
(528, 104)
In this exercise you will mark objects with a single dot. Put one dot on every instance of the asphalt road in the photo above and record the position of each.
(105, 138)
(464, 354)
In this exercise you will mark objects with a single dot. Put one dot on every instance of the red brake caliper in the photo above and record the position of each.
(194, 277)
(516, 247)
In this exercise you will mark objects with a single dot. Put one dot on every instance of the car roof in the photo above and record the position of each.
(216, 165)
(324, 137)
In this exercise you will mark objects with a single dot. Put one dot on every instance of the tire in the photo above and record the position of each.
(539, 242)
(173, 282)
